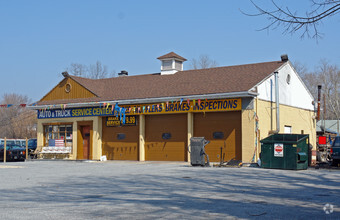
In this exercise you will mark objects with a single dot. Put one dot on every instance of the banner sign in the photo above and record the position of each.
(115, 122)
(182, 106)
(74, 112)
(186, 106)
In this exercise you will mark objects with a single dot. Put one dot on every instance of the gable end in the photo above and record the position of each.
(68, 89)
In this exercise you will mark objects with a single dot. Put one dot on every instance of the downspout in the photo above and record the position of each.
(277, 102)
(271, 104)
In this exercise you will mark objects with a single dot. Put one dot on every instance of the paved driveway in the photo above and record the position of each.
(154, 190)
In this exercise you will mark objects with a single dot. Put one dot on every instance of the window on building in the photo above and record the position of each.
(58, 132)
(121, 136)
(166, 136)
(218, 135)
(178, 65)
(167, 64)
(287, 129)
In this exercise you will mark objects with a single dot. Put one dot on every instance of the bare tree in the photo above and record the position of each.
(300, 68)
(292, 22)
(98, 71)
(95, 71)
(77, 69)
(203, 62)
(16, 121)
(328, 76)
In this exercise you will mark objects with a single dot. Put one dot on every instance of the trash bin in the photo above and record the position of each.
(285, 151)
(197, 152)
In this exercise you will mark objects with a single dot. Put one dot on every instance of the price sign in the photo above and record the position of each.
(115, 122)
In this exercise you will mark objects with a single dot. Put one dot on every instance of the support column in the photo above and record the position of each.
(97, 140)
(40, 135)
(73, 155)
(190, 132)
(141, 137)
(248, 136)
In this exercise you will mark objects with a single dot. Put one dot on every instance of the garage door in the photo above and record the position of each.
(166, 137)
(223, 130)
(120, 143)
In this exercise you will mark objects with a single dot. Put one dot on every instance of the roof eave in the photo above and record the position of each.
(245, 94)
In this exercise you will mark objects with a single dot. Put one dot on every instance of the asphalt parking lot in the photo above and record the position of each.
(160, 190)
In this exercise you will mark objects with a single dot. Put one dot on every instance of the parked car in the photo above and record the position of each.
(13, 153)
(10, 142)
(13, 141)
(21, 142)
(335, 151)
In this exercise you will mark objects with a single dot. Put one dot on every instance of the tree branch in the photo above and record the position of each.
(292, 22)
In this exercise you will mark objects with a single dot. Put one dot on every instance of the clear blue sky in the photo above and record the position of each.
(39, 39)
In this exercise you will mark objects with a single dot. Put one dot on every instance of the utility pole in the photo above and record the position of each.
(5, 150)
(26, 149)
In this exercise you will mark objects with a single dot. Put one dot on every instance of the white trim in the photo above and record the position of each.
(288, 105)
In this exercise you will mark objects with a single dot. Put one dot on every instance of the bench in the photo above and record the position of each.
(54, 152)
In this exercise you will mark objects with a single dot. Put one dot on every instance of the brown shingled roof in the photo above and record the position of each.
(228, 79)
(171, 55)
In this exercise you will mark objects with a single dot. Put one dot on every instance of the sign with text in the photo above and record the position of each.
(185, 106)
(147, 109)
(74, 112)
(115, 122)
(278, 150)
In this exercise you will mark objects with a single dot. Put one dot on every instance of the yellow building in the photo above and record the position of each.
(153, 117)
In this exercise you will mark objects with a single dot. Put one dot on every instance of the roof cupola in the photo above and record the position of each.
(171, 63)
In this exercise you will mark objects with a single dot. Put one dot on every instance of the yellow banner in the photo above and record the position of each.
(185, 106)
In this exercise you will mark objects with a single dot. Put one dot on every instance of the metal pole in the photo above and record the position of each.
(5, 150)
(271, 104)
(324, 114)
(26, 148)
(319, 98)
(277, 102)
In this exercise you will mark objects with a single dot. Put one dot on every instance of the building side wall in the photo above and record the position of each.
(60, 91)
(300, 120)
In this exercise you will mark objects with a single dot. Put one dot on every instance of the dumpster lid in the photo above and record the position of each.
(285, 138)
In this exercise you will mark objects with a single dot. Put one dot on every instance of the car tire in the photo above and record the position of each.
(335, 163)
